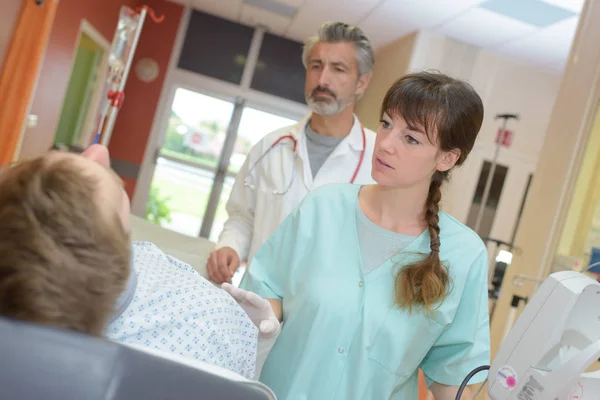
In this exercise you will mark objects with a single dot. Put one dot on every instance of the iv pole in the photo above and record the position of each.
(488, 182)
(116, 93)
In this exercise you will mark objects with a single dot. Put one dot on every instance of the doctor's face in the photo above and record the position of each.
(404, 156)
(332, 79)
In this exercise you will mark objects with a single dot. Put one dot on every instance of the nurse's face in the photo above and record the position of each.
(404, 156)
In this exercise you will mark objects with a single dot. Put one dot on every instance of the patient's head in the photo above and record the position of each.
(64, 245)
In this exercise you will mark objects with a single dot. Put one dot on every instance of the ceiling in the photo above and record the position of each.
(538, 32)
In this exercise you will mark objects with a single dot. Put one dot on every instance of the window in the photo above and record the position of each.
(186, 167)
(254, 125)
(215, 47)
(493, 199)
(279, 70)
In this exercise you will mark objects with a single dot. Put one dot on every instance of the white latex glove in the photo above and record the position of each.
(258, 309)
(261, 313)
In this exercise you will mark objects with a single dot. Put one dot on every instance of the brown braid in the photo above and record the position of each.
(450, 113)
(426, 282)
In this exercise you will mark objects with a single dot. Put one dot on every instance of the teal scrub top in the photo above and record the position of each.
(342, 335)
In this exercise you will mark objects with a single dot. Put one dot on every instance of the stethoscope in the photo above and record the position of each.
(294, 141)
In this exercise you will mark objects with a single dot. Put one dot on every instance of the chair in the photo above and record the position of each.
(51, 364)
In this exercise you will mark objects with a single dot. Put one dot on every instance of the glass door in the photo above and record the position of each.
(205, 144)
(186, 163)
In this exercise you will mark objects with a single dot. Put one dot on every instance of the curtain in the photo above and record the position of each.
(20, 72)
(423, 391)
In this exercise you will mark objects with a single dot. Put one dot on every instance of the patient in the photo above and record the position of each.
(66, 257)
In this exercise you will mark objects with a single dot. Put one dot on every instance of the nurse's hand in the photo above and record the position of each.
(222, 264)
(259, 310)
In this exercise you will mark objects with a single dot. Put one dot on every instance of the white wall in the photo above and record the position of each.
(391, 62)
(505, 87)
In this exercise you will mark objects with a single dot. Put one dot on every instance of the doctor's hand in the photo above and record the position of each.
(259, 310)
(222, 264)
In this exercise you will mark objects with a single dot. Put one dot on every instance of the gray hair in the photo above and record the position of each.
(335, 32)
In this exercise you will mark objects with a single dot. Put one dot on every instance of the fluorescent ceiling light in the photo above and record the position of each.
(533, 12)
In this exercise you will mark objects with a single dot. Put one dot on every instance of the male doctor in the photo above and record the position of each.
(330, 145)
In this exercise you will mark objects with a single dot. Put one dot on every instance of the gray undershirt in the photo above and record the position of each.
(377, 244)
(319, 147)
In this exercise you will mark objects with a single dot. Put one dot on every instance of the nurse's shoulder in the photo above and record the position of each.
(464, 255)
(460, 246)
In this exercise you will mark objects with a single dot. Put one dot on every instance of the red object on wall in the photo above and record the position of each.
(504, 137)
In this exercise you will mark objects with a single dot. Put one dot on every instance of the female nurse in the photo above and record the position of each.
(374, 282)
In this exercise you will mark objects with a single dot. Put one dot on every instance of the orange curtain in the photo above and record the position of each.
(423, 391)
(20, 71)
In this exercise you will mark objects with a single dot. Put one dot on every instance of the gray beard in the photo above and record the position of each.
(327, 108)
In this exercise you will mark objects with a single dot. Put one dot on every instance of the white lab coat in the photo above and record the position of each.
(255, 214)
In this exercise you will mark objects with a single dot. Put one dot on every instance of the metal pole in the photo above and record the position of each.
(488, 183)
(512, 314)
(219, 179)
(106, 133)
(252, 60)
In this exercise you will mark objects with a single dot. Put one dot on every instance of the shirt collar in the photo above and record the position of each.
(354, 138)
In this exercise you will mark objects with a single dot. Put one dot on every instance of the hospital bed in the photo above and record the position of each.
(191, 250)
(51, 364)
